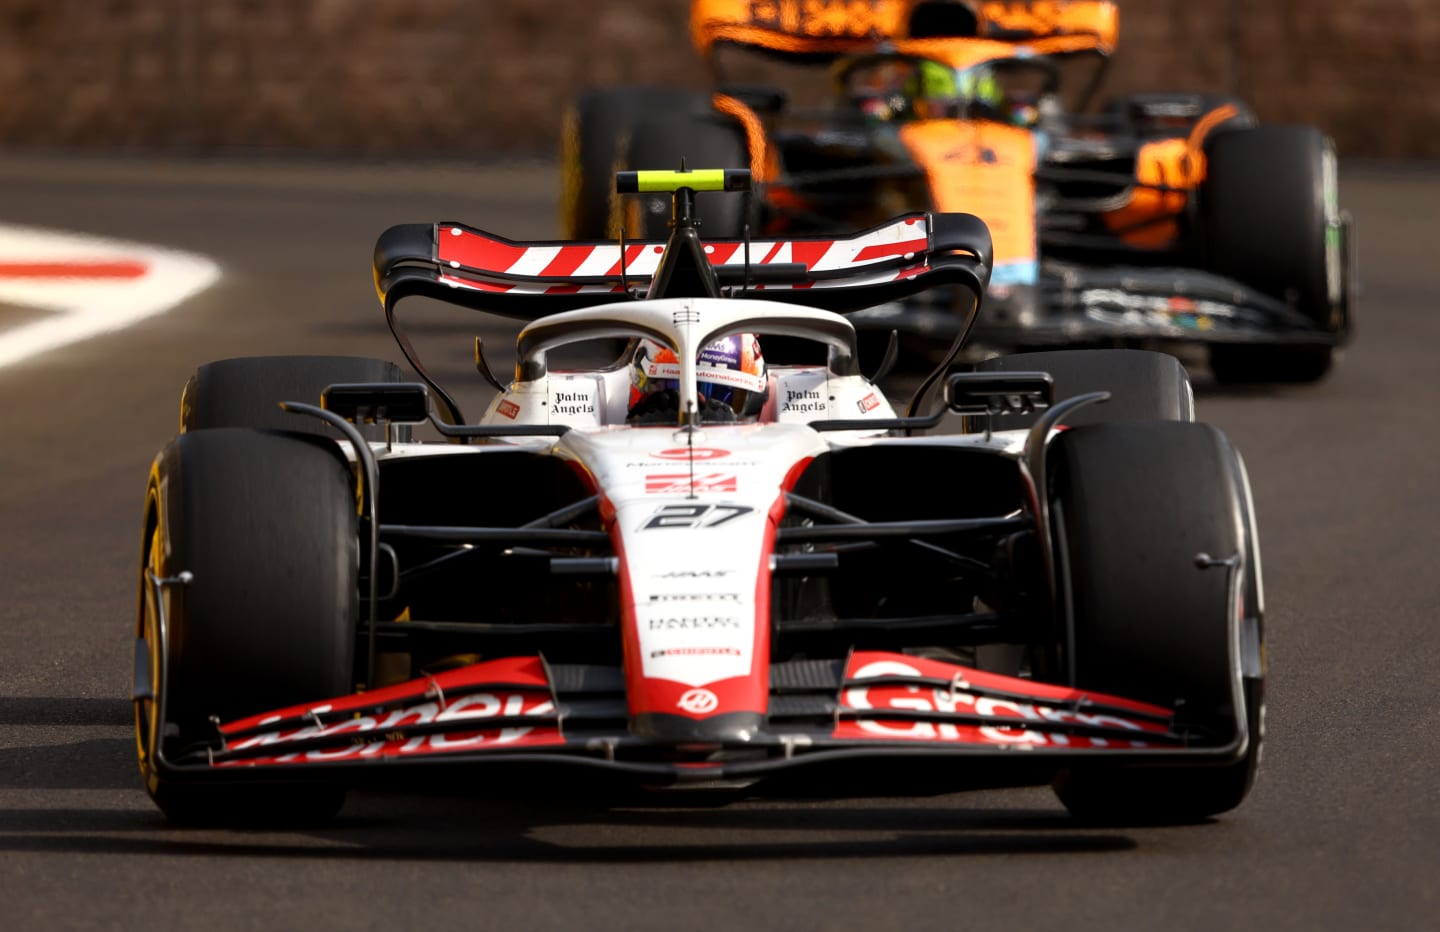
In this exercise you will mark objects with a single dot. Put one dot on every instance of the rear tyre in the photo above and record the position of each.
(266, 524)
(590, 146)
(1134, 504)
(1269, 218)
(246, 392)
(1143, 386)
(702, 141)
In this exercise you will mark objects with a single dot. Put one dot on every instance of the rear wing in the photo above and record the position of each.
(807, 30)
(528, 280)
(799, 29)
(1098, 20)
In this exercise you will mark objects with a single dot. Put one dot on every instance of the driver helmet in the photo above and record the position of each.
(982, 88)
(936, 91)
(933, 91)
(730, 377)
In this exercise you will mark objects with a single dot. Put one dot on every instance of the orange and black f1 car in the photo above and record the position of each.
(1161, 218)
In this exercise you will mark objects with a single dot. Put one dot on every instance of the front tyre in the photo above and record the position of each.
(246, 392)
(706, 140)
(265, 525)
(593, 130)
(1143, 385)
(1270, 219)
(1134, 506)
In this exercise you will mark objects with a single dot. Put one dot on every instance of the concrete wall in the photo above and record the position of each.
(462, 77)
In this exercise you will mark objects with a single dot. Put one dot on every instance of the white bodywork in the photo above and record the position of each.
(692, 509)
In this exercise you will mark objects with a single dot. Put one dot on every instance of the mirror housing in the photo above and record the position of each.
(378, 402)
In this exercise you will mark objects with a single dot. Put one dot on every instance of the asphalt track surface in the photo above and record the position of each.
(1343, 830)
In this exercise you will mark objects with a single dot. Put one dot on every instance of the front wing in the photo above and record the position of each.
(871, 704)
(1075, 305)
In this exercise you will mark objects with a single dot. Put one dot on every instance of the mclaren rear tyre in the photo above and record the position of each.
(1143, 386)
(1270, 219)
(247, 391)
(1155, 547)
(699, 140)
(248, 602)
(590, 138)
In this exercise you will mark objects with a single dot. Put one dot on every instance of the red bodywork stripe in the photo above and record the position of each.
(477, 252)
(567, 260)
(891, 249)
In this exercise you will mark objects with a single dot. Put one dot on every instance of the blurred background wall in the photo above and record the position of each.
(479, 77)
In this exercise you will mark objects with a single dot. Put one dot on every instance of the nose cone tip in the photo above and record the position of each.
(724, 728)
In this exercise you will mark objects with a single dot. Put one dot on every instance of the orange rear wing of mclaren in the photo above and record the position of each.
(824, 29)
(802, 28)
(1096, 20)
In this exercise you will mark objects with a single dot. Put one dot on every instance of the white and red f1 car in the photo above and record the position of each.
(1064, 587)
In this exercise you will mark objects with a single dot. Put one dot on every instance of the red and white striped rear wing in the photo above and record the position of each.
(530, 280)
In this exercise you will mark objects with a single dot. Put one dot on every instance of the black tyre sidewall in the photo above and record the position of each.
(1136, 503)
(247, 391)
(594, 127)
(1263, 214)
(266, 523)
(1143, 385)
(702, 141)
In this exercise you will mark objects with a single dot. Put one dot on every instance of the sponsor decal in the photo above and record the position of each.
(371, 736)
(572, 403)
(868, 403)
(694, 623)
(803, 401)
(971, 154)
(695, 574)
(685, 453)
(682, 483)
(693, 516)
(824, 18)
(957, 700)
(508, 409)
(1113, 306)
(697, 652)
(695, 597)
(699, 701)
(729, 463)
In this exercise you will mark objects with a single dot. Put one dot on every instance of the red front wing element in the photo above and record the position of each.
(930, 701)
(511, 705)
(496, 704)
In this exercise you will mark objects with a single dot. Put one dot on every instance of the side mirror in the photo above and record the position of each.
(378, 402)
(990, 393)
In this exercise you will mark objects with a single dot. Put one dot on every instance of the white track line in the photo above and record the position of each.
(81, 308)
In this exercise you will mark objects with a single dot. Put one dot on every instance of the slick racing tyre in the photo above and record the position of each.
(1134, 506)
(1143, 386)
(1269, 218)
(702, 141)
(264, 524)
(246, 392)
(589, 148)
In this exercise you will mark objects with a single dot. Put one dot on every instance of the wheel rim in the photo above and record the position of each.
(147, 726)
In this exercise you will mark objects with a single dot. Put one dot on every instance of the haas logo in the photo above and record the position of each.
(699, 701)
(685, 453)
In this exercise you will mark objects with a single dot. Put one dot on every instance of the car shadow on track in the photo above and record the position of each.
(66, 743)
(412, 828)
